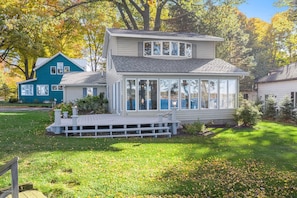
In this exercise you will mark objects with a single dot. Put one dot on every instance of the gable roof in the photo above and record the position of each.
(288, 72)
(83, 78)
(144, 65)
(42, 61)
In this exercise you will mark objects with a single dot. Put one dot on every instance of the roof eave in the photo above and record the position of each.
(241, 74)
(216, 39)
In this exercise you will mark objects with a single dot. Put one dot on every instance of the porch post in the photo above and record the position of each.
(74, 121)
(57, 128)
(174, 127)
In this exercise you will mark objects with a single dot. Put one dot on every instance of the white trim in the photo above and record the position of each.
(170, 35)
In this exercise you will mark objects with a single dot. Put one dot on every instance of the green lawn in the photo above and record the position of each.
(258, 162)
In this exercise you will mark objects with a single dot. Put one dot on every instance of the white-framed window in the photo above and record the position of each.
(89, 91)
(42, 90)
(131, 94)
(148, 94)
(189, 94)
(56, 87)
(27, 90)
(184, 94)
(169, 93)
(66, 69)
(167, 48)
(294, 99)
(53, 70)
(228, 94)
(60, 66)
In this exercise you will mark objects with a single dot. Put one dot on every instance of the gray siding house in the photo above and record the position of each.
(77, 85)
(279, 84)
(149, 73)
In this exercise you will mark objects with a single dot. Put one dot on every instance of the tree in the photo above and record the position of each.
(224, 21)
(33, 32)
(262, 45)
(94, 20)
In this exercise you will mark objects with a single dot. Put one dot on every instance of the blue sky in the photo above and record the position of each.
(262, 9)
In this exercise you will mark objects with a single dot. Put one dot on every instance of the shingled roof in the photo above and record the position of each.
(124, 64)
(158, 34)
(83, 78)
(288, 72)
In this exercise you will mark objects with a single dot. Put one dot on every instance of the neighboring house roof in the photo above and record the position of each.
(42, 61)
(144, 65)
(288, 72)
(26, 81)
(83, 78)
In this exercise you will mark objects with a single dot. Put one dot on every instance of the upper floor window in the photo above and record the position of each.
(53, 70)
(167, 48)
(66, 69)
(60, 66)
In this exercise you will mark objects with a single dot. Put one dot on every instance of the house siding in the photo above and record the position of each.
(44, 77)
(71, 94)
(130, 47)
(111, 78)
(279, 89)
(219, 116)
(205, 50)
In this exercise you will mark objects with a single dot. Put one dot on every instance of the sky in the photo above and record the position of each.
(262, 9)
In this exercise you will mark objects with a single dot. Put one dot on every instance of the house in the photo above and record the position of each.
(45, 87)
(150, 73)
(80, 84)
(280, 83)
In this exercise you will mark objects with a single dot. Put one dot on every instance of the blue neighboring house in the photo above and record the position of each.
(45, 87)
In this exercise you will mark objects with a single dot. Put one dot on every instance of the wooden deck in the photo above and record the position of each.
(30, 194)
(111, 125)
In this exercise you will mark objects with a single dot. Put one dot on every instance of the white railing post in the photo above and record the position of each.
(174, 127)
(57, 127)
(65, 114)
(74, 121)
(74, 110)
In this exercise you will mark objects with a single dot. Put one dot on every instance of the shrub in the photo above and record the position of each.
(270, 108)
(92, 104)
(248, 114)
(13, 100)
(64, 107)
(195, 127)
(286, 109)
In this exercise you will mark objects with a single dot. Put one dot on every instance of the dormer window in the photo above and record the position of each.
(167, 48)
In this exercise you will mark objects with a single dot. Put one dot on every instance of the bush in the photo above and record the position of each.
(92, 104)
(270, 108)
(64, 107)
(195, 127)
(13, 100)
(286, 109)
(248, 114)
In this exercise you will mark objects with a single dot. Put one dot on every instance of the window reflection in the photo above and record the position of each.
(130, 87)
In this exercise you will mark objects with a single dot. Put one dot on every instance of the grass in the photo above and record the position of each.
(242, 162)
